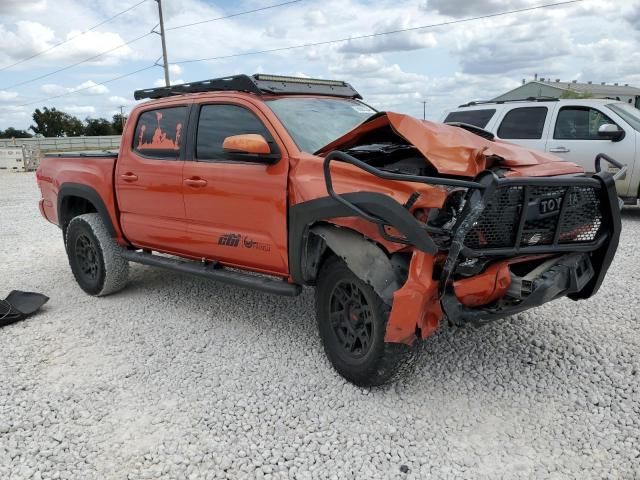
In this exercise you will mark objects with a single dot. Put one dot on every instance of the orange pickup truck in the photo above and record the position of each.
(273, 183)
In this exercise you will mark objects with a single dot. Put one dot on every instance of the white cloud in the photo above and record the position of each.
(85, 88)
(161, 83)
(78, 109)
(315, 18)
(7, 96)
(13, 7)
(412, 40)
(175, 69)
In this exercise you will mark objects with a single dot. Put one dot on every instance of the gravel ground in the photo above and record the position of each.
(183, 378)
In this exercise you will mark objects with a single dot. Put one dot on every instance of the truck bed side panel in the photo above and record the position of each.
(95, 172)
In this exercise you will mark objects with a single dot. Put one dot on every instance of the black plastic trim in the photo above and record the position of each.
(305, 214)
(89, 194)
(215, 272)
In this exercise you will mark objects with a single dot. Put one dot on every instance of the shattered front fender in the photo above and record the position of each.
(416, 306)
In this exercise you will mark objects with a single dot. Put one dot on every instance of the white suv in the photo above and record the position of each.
(575, 130)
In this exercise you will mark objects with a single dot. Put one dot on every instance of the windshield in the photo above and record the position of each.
(315, 122)
(629, 114)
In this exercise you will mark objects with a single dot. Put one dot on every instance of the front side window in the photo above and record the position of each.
(479, 118)
(218, 122)
(159, 132)
(525, 123)
(579, 123)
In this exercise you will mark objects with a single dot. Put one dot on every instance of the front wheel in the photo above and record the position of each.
(352, 321)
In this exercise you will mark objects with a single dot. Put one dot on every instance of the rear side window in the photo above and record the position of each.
(579, 123)
(525, 123)
(479, 118)
(218, 122)
(159, 132)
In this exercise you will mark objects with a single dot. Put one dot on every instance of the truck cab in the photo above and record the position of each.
(576, 130)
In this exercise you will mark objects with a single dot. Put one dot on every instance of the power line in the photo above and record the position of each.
(77, 63)
(73, 38)
(378, 34)
(90, 86)
(25, 82)
(237, 14)
(314, 44)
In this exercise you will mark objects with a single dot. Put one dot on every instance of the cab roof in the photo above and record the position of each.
(259, 84)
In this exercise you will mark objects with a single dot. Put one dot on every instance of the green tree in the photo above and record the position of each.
(54, 123)
(117, 123)
(14, 133)
(98, 126)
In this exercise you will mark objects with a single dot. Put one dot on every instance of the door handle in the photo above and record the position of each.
(559, 150)
(129, 177)
(195, 182)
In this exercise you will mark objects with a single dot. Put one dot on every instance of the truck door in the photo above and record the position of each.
(574, 137)
(525, 126)
(236, 205)
(149, 180)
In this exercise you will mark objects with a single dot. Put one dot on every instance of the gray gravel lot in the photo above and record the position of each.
(183, 378)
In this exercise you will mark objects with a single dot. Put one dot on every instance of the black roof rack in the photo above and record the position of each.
(258, 84)
(500, 102)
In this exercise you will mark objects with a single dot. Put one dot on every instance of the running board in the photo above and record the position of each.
(214, 271)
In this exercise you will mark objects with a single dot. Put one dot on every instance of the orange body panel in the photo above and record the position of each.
(237, 212)
(485, 287)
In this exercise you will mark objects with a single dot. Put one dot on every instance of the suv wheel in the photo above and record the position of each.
(94, 256)
(352, 321)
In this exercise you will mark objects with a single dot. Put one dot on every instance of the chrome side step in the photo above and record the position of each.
(215, 271)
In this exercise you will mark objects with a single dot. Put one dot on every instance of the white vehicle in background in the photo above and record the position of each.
(574, 130)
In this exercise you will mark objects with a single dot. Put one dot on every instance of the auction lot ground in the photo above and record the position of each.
(184, 378)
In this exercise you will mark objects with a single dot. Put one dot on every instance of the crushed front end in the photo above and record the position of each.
(499, 245)
(554, 237)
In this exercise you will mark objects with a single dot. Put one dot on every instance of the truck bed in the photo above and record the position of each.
(77, 171)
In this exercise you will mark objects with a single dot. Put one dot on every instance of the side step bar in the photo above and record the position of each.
(215, 271)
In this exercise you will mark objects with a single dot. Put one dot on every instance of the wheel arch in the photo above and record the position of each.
(76, 199)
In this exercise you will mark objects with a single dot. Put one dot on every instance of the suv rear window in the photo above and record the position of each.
(159, 132)
(526, 123)
(479, 118)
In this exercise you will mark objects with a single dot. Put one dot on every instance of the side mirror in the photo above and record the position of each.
(611, 132)
(248, 143)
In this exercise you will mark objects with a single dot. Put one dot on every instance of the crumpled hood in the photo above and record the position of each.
(454, 151)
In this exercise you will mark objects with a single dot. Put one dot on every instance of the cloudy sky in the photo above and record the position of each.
(447, 65)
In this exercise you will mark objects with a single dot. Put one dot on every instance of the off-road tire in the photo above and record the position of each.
(94, 256)
(380, 362)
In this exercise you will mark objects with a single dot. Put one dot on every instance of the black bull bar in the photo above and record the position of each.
(599, 248)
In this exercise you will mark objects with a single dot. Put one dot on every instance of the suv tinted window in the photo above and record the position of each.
(579, 123)
(159, 132)
(523, 123)
(218, 122)
(479, 118)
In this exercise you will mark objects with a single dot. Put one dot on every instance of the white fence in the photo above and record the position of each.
(63, 144)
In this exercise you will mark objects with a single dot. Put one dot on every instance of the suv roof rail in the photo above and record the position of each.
(258, 84)
(500, 102)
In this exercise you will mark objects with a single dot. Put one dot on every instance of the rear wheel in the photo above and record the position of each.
(94, 256)
(352, 321)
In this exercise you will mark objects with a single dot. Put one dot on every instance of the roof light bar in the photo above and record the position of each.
(310, 81)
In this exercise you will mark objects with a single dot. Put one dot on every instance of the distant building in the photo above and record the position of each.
(557, 89)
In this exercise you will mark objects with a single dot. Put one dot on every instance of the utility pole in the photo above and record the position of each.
(164, 45)
(424, 109)
(122, 116)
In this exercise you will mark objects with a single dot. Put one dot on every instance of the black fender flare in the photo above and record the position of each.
(89, 194)
(303, 216)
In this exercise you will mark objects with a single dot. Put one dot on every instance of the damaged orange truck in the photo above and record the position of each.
(274, 183)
